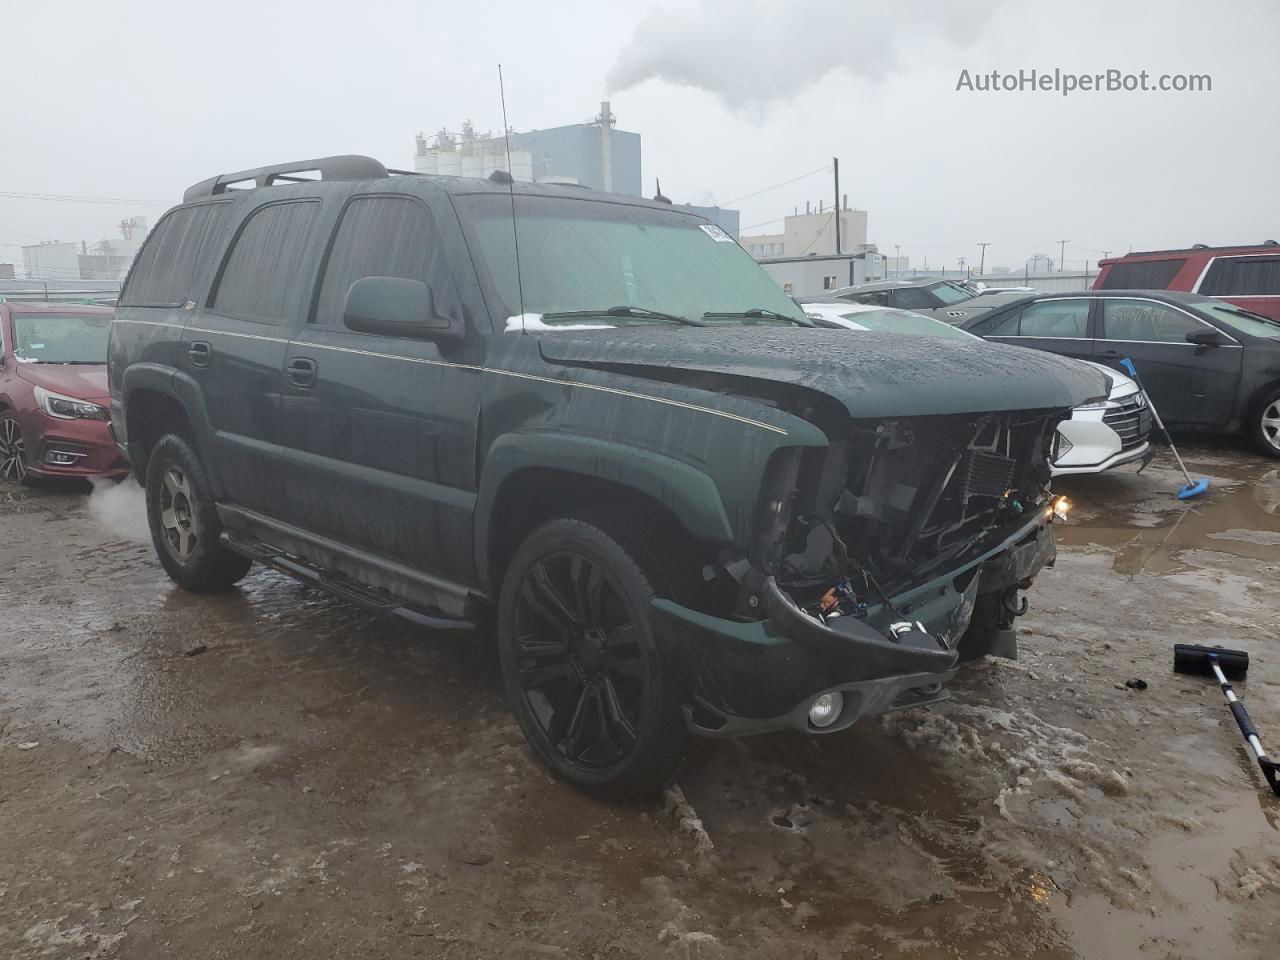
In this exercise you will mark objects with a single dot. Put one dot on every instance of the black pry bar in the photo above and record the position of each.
(1247, 729)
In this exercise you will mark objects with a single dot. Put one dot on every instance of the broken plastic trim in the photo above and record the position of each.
(877, 656)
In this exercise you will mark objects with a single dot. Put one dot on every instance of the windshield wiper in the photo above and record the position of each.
(756, 313)
(627, 311)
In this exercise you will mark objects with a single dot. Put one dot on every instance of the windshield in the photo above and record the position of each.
(950, 293)
(1252, 324)
(581, 255)
(46, 338)
(904, 321)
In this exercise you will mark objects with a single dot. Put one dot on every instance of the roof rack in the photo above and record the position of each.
(349, 166)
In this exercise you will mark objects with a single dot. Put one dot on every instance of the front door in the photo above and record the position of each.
(380, 431)
(1188, 383)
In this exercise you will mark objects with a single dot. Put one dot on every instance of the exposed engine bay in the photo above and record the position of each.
(899, 502)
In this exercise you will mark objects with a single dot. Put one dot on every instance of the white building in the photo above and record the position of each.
(812, 232)
(51, 260)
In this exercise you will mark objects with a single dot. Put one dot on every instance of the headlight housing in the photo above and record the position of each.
(68, 408)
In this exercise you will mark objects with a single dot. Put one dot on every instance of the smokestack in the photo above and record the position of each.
(846, 201)
(806, 208)
(606, 120)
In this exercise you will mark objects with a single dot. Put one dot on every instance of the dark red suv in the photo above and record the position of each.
(54, 404)
(1247, 276)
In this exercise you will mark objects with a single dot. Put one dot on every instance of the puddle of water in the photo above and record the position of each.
(1139, 521)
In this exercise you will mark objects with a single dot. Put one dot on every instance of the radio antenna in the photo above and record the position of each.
(511, 187)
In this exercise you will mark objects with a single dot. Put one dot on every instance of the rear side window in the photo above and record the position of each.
(1142, 321)
(912, 298)
(262, 277)
(1067, 319)
(169, 262)
(377, 237)
(1142, 274)
(1242, 277)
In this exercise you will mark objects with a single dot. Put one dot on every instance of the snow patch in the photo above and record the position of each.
(533, 323)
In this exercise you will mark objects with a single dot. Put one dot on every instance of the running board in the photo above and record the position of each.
(340, 586)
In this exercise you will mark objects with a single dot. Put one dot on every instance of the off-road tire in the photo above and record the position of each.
(208, 566)
(1264, 430)
(630, 564)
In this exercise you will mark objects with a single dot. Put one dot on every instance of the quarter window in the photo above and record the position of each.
(1242, 277)
(262, 277)
(377, 237)
(165, 272)
(1061, 319)
(1147, 322)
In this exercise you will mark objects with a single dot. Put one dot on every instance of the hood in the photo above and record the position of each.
(83, 381)
(1121, 385)
(872, 374)
(961, 313)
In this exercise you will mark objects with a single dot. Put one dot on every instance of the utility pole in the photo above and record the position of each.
(1062, 252)
(962, 270)
(982, 261)
(835, 166)
(897, 259)
(1106, 254)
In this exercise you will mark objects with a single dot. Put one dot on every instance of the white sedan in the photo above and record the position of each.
(1098, 436)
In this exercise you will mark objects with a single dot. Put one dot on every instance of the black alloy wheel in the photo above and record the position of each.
(580, 660)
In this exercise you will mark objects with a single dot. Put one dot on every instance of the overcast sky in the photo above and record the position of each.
(138, 100)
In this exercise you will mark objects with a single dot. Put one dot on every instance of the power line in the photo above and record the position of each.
(67, 198)
(811, 173)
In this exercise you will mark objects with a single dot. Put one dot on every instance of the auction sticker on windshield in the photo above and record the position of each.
(715, 233)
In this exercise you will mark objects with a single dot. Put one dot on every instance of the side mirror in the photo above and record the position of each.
(1206, 338)
(396, 307)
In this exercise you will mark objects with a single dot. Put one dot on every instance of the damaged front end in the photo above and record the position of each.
(881, 561)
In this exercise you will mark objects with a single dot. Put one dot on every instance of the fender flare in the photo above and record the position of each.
(689, 493)
(186, 392)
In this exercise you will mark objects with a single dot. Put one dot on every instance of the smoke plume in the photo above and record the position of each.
(120, 507)
(754, 53)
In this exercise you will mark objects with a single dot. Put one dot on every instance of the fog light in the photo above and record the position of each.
(825, 710)
(1061, 508)
(62, 458)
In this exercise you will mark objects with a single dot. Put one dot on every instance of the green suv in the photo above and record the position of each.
(593, 425)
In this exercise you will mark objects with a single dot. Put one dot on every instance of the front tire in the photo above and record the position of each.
(1265, 425)
(13, 450)
(580, 660)
(184, 524)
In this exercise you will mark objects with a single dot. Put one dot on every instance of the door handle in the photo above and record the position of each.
(301, 372)
(200, 353)
(1111, 354)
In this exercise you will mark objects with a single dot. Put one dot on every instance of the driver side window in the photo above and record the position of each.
(911, 298)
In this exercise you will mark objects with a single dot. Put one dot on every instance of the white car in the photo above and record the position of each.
(1098, 436)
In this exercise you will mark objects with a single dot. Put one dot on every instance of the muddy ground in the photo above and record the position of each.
(270, 773)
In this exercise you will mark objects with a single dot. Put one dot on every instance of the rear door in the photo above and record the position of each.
(1251, 282)
(1189, 383)
(381, 431)
(235, 350)
(1058, 324)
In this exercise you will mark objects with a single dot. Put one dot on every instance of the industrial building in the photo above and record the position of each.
(814, 274)
(812, 232)
(595, 154)
(107, 259)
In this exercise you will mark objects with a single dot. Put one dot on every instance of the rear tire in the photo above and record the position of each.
(184, 524)
(580, 660)
(1264, 424)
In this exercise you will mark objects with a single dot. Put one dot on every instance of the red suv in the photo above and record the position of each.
(1247, 276)
(54, 404)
